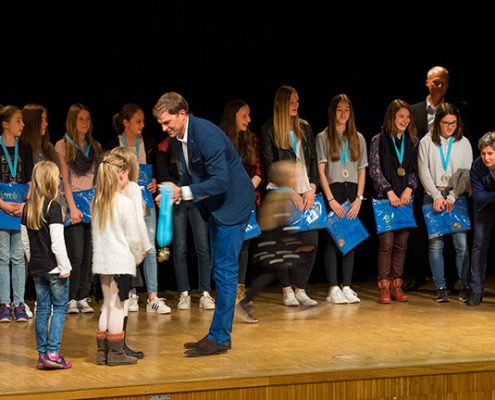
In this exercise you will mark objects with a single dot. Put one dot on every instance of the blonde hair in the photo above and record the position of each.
(131, 160)
(44, 187)
(107, 185)
(283, 122)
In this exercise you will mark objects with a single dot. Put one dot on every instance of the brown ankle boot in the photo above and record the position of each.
(384, 296)
(102, 350)
(116, 354)
(396, 290)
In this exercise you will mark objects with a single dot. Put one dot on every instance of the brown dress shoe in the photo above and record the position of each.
(206, 347)
(192, 345)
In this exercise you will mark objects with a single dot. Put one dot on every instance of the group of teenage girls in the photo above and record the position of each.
(122, 225)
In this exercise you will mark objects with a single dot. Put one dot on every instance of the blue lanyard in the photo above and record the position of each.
(400, 154)
(344, 155)
(86, 152)
(12, 168)
(281, 189)
(294, 141)
(445, 159)
(124, 142)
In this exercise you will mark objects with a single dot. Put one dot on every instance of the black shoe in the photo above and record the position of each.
(413, 285)
(464, 294)
(133, 353)
(475, 299)
(442, 295)
(192, 345)
(206, 348)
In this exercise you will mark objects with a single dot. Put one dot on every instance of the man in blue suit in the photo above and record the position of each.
(211, 173)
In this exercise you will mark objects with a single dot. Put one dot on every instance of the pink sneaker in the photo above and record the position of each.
(56, 361)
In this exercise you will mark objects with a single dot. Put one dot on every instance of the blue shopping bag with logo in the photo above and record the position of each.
(16, 193)
(144, 179)
(389, 218)
(314, 218)
(444, 223)
(252, 228)
(83, 200)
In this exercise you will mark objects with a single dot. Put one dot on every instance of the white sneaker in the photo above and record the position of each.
(304, 299)
(336, 296)
(72, 307)
(29, 313)
(84, 307)
(350, 295)
(133, 301)
(290, 300)
(206, 302)
(184, 301)
(158, 306)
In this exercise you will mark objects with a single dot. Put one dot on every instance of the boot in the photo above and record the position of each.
(116, 355)
(128, 350)
(102, 351)
(396, 290)
(384, 296)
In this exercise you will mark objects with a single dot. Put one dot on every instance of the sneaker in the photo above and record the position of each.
(350, 295)
(133, 305)
(290, 300)
(464, 294)
(304, 299)
(206, 302)
(20, 313)
(84, 307)
(184, 301)
(72, 307)
(29, 313)
(244, 312)
(5, 313)
(442, 295)
(40, 364)
(336, 296)
(157, 305)
(56, 361)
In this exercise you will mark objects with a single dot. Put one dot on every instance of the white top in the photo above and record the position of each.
(118, 248)
(133, 191)
(430, 168)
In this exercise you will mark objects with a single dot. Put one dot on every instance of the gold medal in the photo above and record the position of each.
(341, 242)
(445, 178)
(345, 173)
(401, 171)
(163, 254)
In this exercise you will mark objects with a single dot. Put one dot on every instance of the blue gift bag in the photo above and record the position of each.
(83, 201)
(252, 229)
(314, 218)
(389, 218)
(144, 179)
(164, 227)
(15, 193)
(443, 223)
(346, 233)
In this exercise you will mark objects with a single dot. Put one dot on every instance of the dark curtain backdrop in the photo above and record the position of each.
(107, 53)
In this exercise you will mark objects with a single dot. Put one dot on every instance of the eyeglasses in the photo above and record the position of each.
(446, 123)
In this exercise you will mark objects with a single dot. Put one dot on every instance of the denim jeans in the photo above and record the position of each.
(51, 291)
(182, 213)
(150, 264)
(226, 242)
(80, 251)
(11, 252)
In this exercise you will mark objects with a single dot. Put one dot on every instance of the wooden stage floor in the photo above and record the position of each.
(414, 350)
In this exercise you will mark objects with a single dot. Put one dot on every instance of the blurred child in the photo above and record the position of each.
(42, 233)
(117, 249)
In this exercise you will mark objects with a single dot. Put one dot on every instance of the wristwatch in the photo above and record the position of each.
(360, 197)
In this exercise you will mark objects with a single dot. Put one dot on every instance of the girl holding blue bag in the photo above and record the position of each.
(444, 161)
(342, 160)
(393, 171)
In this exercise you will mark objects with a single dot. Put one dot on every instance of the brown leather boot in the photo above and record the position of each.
(384, 296)
(116, 354)
(396, 290)
(102, 350)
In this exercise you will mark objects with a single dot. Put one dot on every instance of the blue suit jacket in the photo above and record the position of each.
(482, 184)
(216, 175)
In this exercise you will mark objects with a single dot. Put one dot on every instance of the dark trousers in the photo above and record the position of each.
(483, 224)
(80, 251)
(392, 253)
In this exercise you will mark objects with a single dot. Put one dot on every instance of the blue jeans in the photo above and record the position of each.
(11, 252)
(150, 264)
(435, 255)
(226, 242)
(51, 291)
(182, 213)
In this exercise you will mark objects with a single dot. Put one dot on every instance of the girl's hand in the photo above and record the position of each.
(64, 276)
(439, 204)
(298, 200)
(308, 199)
(449, 205)
(152, 186)
(405, 197)
(75, 215)
(336, 208)
(354, 211)
(394, 200)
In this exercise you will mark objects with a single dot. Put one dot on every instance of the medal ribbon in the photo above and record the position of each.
(12, 168)
(445, 159)
(400, 154)
(124, 142)
(85, 152)
(344, 155)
